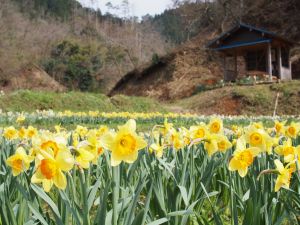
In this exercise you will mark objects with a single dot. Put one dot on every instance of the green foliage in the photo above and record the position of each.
(155, 58)
(59, 8)
(185, 187)
(76, 101)
(170, 25)
(75, 63)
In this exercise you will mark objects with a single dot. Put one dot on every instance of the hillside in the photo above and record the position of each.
(182, 72)
(245, 100)
(30, 101)
(229, 100)
(162, 56)
(72, 44)
(175, 76)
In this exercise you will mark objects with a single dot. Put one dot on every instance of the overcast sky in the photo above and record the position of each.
(137, 7)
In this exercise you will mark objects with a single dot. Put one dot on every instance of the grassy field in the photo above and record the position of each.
(246, 100)
(229, 100)
(30, 101)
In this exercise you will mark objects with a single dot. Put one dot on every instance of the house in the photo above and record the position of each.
(248, 50)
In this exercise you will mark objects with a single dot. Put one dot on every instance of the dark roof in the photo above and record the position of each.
(269, 36)
(243, 44)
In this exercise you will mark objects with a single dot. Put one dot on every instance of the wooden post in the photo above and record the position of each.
(269, 60)
(236, 65)
(279, 61)
(224, 65)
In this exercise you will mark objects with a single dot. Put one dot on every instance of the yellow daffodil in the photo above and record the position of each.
(92, 145)
(49, 169)
(223, 143)
(287, 150)
(82, 131)
(177, 140)
(258, 125)
(168, 128)
(186, 136)
(257, 137)
(83, 157)
(279, 127)
(31, 132)
(216, 142)
(284, 177)
(215, 126)
(19, 162)
(242, 157)
(101, 131)
(10, 133)
(22, 133)
(199, 132)
(124, 144)
(292, 130)
(21, 118)
(157, 149)
(238, 131)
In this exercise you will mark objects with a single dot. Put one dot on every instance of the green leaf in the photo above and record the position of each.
(132, 207)
(180, 213)
(36, 213)
(138, 220)
(160, 221)
(66, 200)
(147, 204)
(246, 196)
(101, 213)
(93, 193)
(49, 201)
(184, 195)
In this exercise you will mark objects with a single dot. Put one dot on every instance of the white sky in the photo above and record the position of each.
(137, 7)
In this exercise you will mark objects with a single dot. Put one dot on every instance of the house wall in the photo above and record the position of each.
(286, 73)
(242, 67)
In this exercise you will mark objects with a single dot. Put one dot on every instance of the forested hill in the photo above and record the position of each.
(80, 48)
(191, 67)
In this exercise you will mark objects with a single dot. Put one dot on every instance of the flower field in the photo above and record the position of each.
(148, 168)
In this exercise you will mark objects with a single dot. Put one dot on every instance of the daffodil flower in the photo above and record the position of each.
(284, 177)
(279, 127)
(259, 138)
(199, 132)
(124, 144)
(10, 133)
(287, 150)
(49, 169)
(242, 157)
(216, 142)
(215, 126)
(292, 130)
(157, 149)
(19, 162)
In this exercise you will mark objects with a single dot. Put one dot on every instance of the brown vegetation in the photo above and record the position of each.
(25, 39)
(191, 65)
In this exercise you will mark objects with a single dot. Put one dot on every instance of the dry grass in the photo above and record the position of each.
(246, 100)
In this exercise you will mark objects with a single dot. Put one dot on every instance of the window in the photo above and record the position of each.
(285, 57)
(256, 60)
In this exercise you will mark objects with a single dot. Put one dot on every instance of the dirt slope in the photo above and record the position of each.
(245, 100)
(178, 74)
(174, 76)
(31, 77)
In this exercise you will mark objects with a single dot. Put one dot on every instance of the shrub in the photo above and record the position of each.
(74, 65)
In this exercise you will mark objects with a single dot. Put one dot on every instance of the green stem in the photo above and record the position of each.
(86, 217)
(116, 187)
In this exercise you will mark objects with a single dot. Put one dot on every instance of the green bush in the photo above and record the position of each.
(74, 65)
